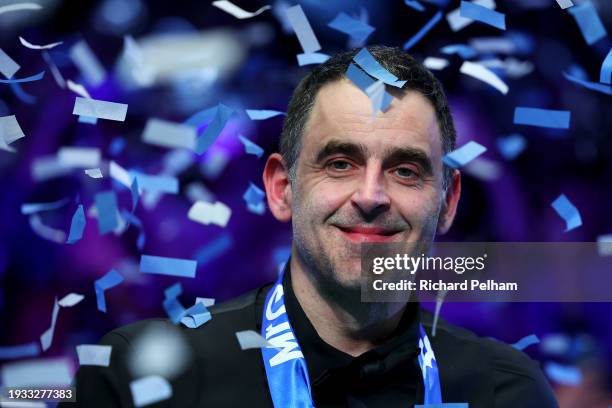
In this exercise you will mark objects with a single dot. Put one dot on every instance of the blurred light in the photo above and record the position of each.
(161, 351)
(119, 16)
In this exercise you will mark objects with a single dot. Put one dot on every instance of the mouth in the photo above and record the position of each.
(368, 234)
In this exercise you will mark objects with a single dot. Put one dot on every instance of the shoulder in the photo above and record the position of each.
(237, 314)
(233, 315)
(202, 364)
(508, 376)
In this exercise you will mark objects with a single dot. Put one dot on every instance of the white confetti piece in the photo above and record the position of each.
(19, 6)
(100, 109)
(236, 11)
(79, 157)
(250, 339)
(78, 89)
(168, 134)
(435, 63)
(92, 354)
(484, 74)
(31, 46)
(149, 390)
(95, 173)
(71, 299)
(208, 213)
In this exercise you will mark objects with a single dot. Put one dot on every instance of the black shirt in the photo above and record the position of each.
(482, 372)
(386, 376)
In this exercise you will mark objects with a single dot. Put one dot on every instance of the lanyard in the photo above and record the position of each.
(286, 367)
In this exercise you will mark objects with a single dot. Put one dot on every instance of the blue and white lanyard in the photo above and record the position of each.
(286, 367)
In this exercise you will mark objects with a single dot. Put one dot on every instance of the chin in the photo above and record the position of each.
(347, 273)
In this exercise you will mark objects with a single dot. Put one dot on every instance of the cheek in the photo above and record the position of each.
(324, 199)
(421, 209)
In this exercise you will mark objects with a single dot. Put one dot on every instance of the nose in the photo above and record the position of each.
(371, 197)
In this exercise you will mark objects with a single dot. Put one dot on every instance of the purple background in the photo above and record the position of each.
(516, 207)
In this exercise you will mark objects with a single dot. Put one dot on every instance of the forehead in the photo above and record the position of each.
(343, 111)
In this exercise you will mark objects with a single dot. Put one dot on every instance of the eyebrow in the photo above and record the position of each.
(358, 151)
(394, 156)
(391, 157)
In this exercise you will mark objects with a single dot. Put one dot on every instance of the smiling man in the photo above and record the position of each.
(342, 178)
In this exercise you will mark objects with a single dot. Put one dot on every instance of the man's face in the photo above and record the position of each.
(362, 180)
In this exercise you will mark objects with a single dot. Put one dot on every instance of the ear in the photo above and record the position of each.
(278, 188)
(449, 206)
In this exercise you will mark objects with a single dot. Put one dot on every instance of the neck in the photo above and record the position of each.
(344, 323)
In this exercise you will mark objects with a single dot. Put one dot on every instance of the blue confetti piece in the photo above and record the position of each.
(19, 351)
(134, 190)
(159, 184)
(174, 291)
(196, 316)
(311, 58)
(174, 309)
(463, 50)
(250, 147)
(22, 95)
(254, 194)
(262, 114)
(463, 155)
(414, 4)
(445, 405)
(566, 210)
(368, 63)
(208, 137)
(511, 146)
(106, 204)
(356, 29)
(589, 22)
(563, 374)
(8, 67)
(526, 341)
(254, 197)
(31, 208)
(108, 281)
(199, 118)
(90, 120)
(214, 249)
(299, 22)
(577, 71)
(594, 86)
(363, 81)
(117, 146)
(168, 266)
(421, 33)
(77, 226)
(605, 76)
(36, 77)
(485, 15)
(281, 255)
(47, 337)
(556, 119)
(358, 77)
(133, 220)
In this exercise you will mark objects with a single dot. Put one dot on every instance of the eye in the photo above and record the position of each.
(340, 165)
(405, 172)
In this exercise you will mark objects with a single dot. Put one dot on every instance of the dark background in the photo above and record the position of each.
(514, 207)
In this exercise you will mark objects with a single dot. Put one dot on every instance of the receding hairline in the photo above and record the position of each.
(397, 93)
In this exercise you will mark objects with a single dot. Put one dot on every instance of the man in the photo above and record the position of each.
(342, 178)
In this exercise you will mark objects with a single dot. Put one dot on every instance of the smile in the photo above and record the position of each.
(368, 234)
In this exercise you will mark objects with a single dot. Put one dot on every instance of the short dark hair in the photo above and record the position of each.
(395, 60)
